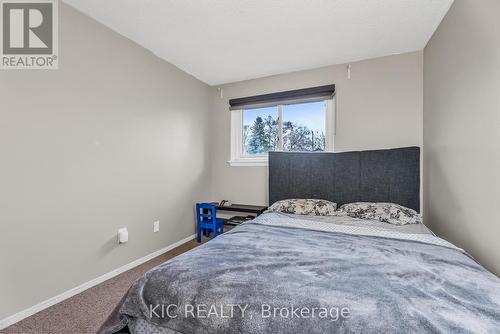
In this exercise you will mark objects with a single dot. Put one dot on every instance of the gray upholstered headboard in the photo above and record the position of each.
(391, 175)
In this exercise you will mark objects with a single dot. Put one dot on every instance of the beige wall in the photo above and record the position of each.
(462, 129)
(380, 107)
(116, 137)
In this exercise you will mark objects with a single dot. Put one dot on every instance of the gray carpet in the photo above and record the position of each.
(85, 312)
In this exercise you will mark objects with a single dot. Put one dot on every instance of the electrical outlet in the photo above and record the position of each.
(122, 235)
(156, 226)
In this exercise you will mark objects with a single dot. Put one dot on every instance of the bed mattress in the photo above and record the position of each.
(283, 273)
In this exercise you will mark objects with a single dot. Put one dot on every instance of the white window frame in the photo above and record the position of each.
(240, 159)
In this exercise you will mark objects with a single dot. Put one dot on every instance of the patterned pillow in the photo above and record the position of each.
(385, 212)
(312, 207)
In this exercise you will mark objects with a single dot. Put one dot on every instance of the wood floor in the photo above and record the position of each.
(85, 312)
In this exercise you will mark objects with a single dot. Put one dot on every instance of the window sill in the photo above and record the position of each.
(247, 162)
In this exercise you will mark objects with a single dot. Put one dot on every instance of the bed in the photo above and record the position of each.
(286, 273)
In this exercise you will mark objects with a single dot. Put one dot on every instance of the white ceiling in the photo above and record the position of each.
(221, 41)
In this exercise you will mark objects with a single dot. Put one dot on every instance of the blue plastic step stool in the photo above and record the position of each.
(206, 219)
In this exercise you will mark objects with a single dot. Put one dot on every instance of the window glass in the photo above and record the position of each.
(304, 127)
(260, 130)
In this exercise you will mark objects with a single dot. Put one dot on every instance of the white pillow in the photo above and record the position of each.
(385, 212)
(312, 207)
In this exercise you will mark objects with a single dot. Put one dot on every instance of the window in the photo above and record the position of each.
(297, 127)
(304, 127)
(260, 131)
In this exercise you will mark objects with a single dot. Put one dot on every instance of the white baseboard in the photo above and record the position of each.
(76, 290)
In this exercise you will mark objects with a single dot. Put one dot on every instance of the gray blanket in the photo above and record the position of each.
(264, 278)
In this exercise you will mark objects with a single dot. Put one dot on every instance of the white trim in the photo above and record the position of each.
(280, 127)
(82, 287)
(252, 161)
(330, 124)
(236, 134)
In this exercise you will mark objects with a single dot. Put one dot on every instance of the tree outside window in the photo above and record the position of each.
(302, 128)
